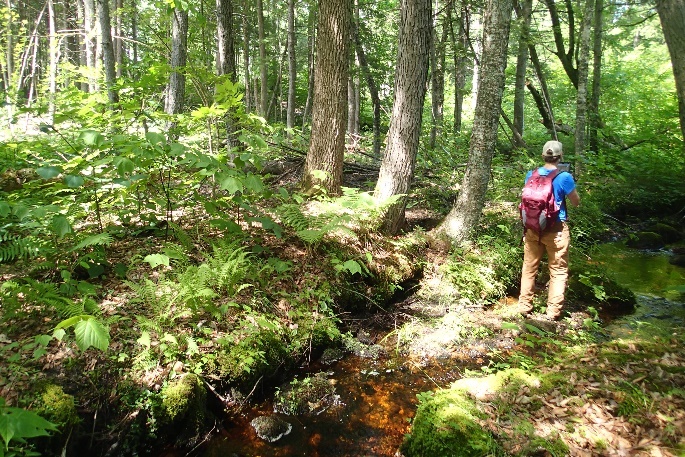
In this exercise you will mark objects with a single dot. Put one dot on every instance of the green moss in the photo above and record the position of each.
(311, 395)
(57, 406)
(645, 240)
(447, 423)
(242, 364)
(668, 234)
(183, 398)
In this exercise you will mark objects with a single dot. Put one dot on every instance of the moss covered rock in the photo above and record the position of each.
(183, 413)
(58, 407)
(645, 240)
(311, 395)
(243, 363)
(677, 260)
(447, 422)
(668, 233)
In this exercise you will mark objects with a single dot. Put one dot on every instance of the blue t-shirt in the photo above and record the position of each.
(562, 185)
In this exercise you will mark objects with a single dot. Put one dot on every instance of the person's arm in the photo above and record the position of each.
(574, 198)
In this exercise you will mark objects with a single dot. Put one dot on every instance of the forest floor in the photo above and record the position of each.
(593, 389)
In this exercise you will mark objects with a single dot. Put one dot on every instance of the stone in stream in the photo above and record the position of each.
(270, 428)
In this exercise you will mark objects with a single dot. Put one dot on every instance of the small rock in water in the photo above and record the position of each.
(270, 428)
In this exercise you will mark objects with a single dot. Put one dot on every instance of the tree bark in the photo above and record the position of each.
(91, 42)
(521, 65)
(437, 79)
(413, 59)
(263, 94)
(565, 56)
(179, 55)
(464, 216)
(581, 98)
(594, 118)
(226, 58)
(53, 51)
(329, 115)
(246, 56)
(373, 91)
(118, 38)
(672, 16)
(311, 47)
(107, 50)
(459, 43)
(292, 67)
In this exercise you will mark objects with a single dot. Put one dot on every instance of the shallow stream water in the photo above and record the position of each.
(377, 398)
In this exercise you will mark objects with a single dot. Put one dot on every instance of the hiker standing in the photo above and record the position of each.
(546, 229)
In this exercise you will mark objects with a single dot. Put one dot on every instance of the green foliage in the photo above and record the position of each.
(447, 423)
(58, 406)
(17, 425)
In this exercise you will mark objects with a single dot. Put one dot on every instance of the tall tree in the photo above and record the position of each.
(329, 114)
(581, 98)
(459, 40)
(402, 145)
(226, 55)
(179, 56)
(437, 55)
(464, 216)
(311, 53)
(526, 9)
(108, 61)
(566, 56)
(263, 74)
(373, 90)
(593, 108)
(672, 16)
(292, 66)
(90, 39)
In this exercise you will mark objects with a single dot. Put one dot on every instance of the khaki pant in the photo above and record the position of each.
(556, 242)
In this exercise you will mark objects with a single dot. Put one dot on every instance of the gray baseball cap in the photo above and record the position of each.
(552, 149)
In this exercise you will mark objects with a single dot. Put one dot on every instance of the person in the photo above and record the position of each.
(555, 240)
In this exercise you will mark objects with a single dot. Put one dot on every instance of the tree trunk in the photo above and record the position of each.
(118, 40)
(464, 216)
(437, 79)
(226, 57)
(397, 168)
(329, 115)
(581, 99)
(107, 50)
(292, 67)
(53, 46)
(311, 47)
(373, 91)
(672, 16)
(179, 54)
(459, 43)
(521, 65)
(246, 56)
(596, 75)
(134, 32)
(565, 57)
(91, 42)
(264, 94)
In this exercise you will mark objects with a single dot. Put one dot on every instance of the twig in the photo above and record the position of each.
(251, 392)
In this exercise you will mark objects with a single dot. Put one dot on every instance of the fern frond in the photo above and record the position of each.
(99, 239)
(149, 324)
(13, 247)
(292, 216)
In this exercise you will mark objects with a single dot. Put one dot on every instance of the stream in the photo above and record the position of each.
(377, 397)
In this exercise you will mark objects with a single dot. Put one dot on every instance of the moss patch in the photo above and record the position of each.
(447, 422)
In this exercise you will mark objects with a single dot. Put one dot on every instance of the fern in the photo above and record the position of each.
(292, 216)
(312, 229)
(13, 247)
(99, 239)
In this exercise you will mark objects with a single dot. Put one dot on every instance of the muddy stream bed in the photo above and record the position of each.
(375, 397)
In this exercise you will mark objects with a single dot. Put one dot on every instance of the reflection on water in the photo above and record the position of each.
(376, 405)
(644, 272)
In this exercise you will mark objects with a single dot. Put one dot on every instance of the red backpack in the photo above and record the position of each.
(539, 209)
